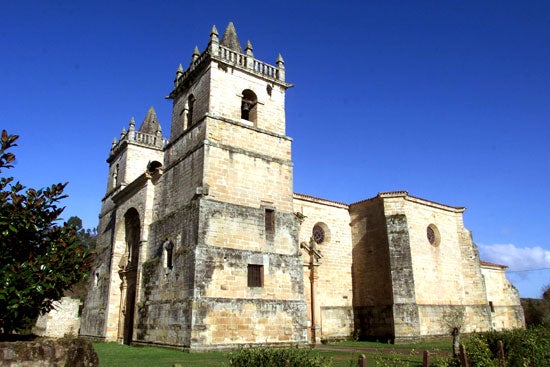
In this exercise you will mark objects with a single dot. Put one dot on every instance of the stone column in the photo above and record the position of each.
(314, 256)
(314, 276)
(123, 286)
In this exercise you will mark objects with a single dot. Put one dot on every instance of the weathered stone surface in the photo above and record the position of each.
(393, 253)
(48, 353)
(199, 219)
(63, 320)
(332, 283)
(202, 243)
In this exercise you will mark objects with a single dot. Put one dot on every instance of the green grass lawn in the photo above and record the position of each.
(117, 355)
(443, 344)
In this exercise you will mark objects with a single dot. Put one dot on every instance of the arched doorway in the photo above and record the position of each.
(128, 275)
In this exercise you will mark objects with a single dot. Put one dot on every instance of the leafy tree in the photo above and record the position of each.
(39, 259)
(537, 311)
(546, 292)
(453, 319)
(85, 237)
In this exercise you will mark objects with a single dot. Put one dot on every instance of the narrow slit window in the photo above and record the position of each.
(491, 306)
(255, 275)
(169, 255)
(115, 176)
(190, 107)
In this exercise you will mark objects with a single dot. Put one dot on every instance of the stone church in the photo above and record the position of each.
(203, 244)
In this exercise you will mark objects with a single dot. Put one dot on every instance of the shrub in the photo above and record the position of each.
(522, 347)
(529, 347)
(267, 357)
(479, 353)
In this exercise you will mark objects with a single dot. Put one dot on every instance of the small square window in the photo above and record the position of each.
(255, 275)
(269, 220)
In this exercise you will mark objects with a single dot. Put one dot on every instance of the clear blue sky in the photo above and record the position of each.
(449, 100)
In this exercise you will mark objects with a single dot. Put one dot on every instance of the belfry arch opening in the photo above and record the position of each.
(249, 103)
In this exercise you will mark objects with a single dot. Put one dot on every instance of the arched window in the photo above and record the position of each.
(115, 176)
(133, 233)
(169, 254)
(249, 103)
(152, 166)
(190, 107)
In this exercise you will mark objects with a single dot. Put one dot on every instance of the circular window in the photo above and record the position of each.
(432, 233)
(318, 234)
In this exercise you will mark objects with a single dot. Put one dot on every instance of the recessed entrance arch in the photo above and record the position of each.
(128, 275)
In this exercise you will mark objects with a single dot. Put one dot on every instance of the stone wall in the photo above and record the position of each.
(372, 286)
(48, 353)
(164, 311)
(227, 310)
(444, 269)
(414, 261)
(503, 298)
(227, 85)
(248, 166)
(63, 320)
(333, 282)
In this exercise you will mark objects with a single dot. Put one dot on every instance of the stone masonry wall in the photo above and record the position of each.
(199, 86)
(62, 320)
(405, 310)
(164, 311)
(95, 304)
(506, 312)
(246, 167)
(372, 287)
(183, 172)
(334, 294)
(48, 353)
(228, 323)
(450, 265)
(227, 85)
(226, 310)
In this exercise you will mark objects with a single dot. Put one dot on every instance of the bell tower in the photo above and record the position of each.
(218, 262)
(219, 259)
(224, 81)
